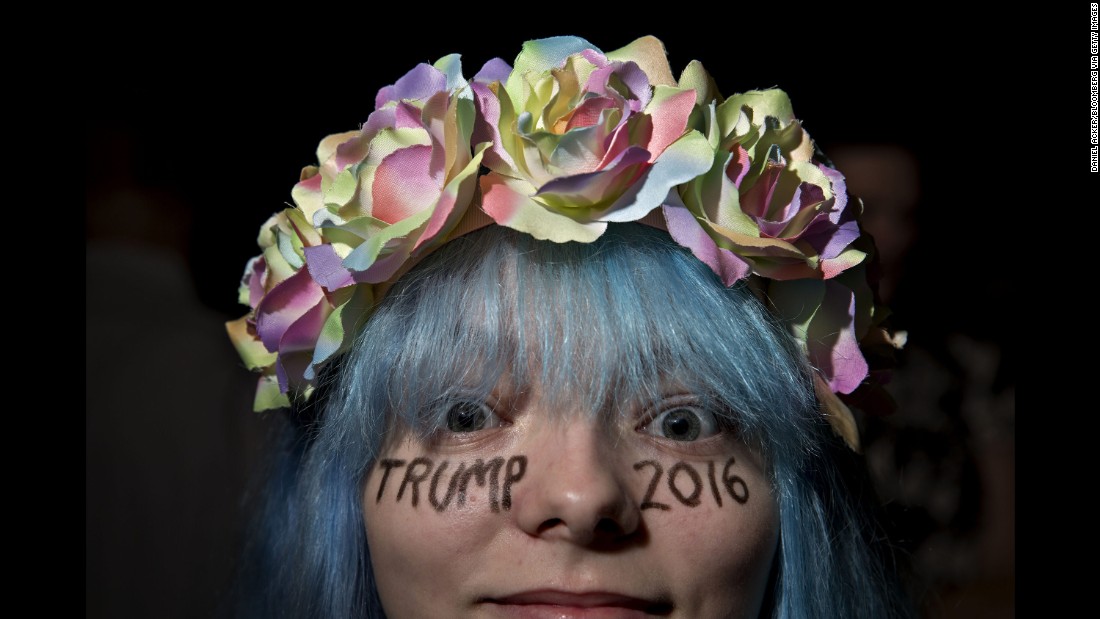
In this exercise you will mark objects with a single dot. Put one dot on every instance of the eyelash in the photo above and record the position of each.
(458, 413)
(707, 426)
(447, 412)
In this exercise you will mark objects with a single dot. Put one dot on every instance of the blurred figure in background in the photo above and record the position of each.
(945, 461)
(167, 450)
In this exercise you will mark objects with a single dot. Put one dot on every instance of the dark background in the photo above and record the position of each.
(197, 130)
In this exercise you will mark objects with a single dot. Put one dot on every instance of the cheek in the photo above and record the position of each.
(720, 556)
(735, 542)
(410, 542)
(723, 560)
(421, 534)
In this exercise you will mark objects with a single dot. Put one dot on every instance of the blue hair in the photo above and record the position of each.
(607, 320)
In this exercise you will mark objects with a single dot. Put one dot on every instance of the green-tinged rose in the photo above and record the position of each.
(397, 187)
(580, 138)
(381, 196)
(766, 208)
(289, 309)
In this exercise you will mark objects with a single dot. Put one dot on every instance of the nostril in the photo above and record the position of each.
(607, 526)
(549, 524)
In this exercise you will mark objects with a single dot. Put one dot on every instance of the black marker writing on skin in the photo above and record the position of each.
(713, 484)
(388, 465)
(732, 481)
(648, 502)
(488, 474)
(414, 478)
(482, 474)
(691, 500)
(511, 477)
(436, 503)
(478, 470)
(735, 486)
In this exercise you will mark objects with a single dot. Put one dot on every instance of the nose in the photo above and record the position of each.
(577, 490)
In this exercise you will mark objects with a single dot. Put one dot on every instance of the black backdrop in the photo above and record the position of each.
(222, 113)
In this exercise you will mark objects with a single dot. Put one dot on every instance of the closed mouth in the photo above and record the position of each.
(568, 603)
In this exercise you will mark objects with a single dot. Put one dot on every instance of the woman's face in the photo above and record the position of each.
(513, 512)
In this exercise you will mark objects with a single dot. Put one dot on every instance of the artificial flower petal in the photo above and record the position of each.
(284, 305)
(268, 395)
(649, 54)
(451, 67)
(838, 414)
(326, 267)
(685, 230)
(698, 79)
(257, 268)
(307, 193)
(251, 350)
(302, 333)
(494, 70)
(592, 189)
(402, 184)
(452, 203)
(670, 110)
(420, 83)
(682, 161)
(339, 327)
(364, 259)
(507, 202)
(832, 342)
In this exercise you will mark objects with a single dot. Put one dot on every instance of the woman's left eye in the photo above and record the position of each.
(683, 423)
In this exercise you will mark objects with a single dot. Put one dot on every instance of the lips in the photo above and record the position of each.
(553, 604)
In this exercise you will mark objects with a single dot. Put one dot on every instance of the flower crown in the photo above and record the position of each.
(572, 138)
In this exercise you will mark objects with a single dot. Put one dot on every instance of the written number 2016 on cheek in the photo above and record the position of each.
(734, 485)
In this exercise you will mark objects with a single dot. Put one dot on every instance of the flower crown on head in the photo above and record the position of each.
(572, 138)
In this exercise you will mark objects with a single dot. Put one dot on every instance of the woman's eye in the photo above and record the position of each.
(471, 417)
(683, 424)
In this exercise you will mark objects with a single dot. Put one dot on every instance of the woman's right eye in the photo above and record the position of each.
(471, 417)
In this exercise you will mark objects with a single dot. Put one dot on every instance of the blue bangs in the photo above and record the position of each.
(603, 327)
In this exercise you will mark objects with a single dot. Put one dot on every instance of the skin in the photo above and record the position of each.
(575, 542)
